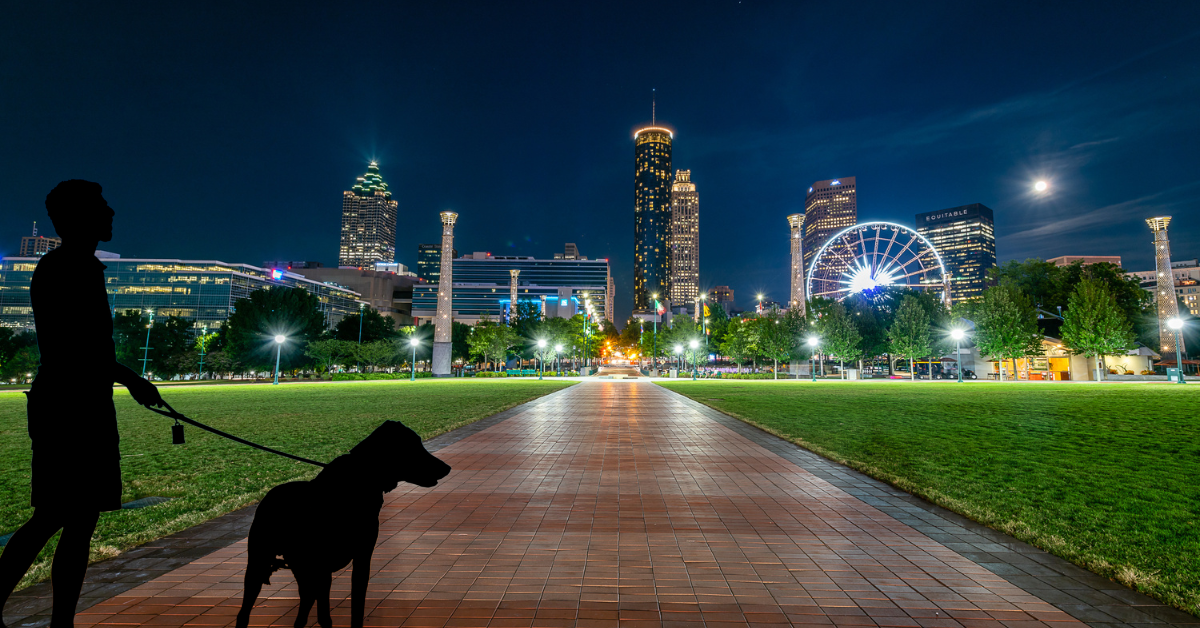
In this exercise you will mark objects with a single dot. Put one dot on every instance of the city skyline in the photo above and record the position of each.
(263, 131)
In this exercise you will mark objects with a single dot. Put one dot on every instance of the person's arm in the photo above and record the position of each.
(142, 390)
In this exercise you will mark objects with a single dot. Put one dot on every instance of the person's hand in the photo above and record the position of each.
(146, 393)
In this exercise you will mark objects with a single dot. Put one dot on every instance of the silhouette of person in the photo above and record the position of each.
(72, 422)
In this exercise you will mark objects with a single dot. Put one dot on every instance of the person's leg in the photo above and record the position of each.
(70, 565)
(23, 548)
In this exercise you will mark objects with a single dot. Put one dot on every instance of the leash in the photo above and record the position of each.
(177, 434)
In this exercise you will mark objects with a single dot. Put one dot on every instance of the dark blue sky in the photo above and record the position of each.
(226, 132)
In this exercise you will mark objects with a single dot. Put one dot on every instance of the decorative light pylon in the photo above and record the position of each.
(1164, 293)
(445, 304)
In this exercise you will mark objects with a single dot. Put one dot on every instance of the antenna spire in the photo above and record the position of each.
(652, 106)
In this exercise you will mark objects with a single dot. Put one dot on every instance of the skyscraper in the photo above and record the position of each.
(651, 214)
(368, 222)
(37, 245)
(429, 261)
(829, 207)
(685, 239)
(966, 240)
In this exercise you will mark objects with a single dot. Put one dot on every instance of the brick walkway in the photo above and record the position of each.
(621, 504)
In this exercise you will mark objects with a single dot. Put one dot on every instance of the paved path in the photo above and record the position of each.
(622, 504)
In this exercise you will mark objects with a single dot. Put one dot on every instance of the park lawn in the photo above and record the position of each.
(1106, 476)
(210, 476)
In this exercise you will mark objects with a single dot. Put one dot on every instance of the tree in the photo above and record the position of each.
(17, 353)
(375, 326)
(459, 334)
(1094, 325)
(292, 312)
(775, 338)
(871, 323)
(375, 353)
(491, 341)
(741, 341)
(329, 353)
(841, 336)
(1006, 324)
(171, 347)
(909, 335)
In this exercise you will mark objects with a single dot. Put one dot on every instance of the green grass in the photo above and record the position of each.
(1106, 476)
(211, 476)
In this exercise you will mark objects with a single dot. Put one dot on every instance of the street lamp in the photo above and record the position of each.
(357, 365)
(557, 360)
(760, 304)
(146, 349)
(957, 335)
(542, 345)
(694, 344)
(279, 338)
(413, 367)
(812, 367)
(678, 357)
(1177, 324)
(203, 344)
(654, 351)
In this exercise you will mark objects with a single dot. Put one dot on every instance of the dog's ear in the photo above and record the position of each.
(385, 439)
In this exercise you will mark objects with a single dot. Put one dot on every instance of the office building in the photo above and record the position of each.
(570, 251)
(1185, 276)
(651, 215)
(685, 239)
(368, 222)
(1067, 260)
(483, 285)
(389, 293)
(722, 296)
(429, 261)
(203, 292)
(291, 265)
(829, 207)
(966, 240)
(37, 245)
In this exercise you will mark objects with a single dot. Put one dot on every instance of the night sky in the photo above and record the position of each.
(226, 132)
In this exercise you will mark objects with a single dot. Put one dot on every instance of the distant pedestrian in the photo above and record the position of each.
(72, 422)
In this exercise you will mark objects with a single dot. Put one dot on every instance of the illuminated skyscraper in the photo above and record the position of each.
(429, 261)
(685, 239)
(829, 207)
(651, 215)
(966, 240)
(368, 222)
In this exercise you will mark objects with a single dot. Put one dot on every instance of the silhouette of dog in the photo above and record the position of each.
(316, 528)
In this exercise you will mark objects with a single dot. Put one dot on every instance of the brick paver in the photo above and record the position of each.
(621, 504)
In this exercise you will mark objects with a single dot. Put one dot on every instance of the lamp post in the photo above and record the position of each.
(412, 377)
(678, 356)
(203, 344)
(357, 364)
(279, 338)
(557, 360)
(694, 344)
(541, 345)
(760, 304)
(654, 344)
(146, 349)
(957, 335)
(1177, 324)
(812, 367)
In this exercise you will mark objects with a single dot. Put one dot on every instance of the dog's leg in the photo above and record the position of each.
(321, 586)
(258, 569)
(358, 586)
(304, 581)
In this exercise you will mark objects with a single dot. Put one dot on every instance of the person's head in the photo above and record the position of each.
(79, 212)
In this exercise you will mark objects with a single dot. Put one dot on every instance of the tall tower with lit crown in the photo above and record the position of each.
(1164, 295)
(445, 305)
(651, 214)
(796, 222)
(368, 222)
(685, 239)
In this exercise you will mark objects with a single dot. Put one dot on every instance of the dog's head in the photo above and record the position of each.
(395, 454)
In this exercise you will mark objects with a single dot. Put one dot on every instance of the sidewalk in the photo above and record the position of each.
(622, 504)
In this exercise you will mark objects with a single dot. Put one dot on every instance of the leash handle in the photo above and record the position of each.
(172, 414)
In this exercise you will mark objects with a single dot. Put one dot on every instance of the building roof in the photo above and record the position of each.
(372, 182)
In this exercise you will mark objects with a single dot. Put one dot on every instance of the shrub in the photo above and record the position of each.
(348, 377)
(491, 374)
(749, 376)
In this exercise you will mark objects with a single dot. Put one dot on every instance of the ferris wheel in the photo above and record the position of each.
(874, 255)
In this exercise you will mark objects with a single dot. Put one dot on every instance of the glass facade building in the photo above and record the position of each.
(203, 292)
(368, 222)
(685, 239)
(966, 239)
(651, 215)
(829, 207)
(429, 261)
(482, 286)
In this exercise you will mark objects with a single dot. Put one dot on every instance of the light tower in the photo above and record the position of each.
(441, 325)
(512, 295)
(1164, 294)
(796, 221)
